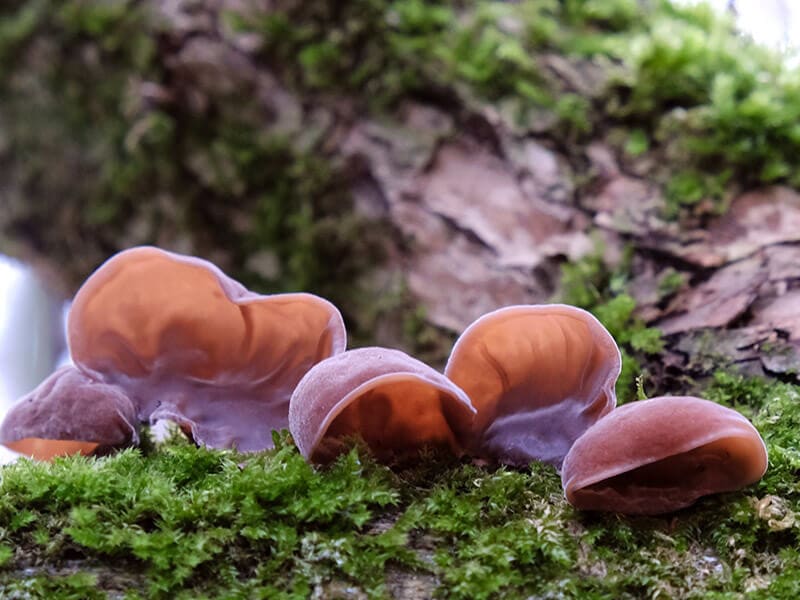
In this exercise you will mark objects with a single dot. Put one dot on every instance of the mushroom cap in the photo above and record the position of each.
(395, 403)
(539, 376)
(190, 344)
(69, 413)
(659, 455)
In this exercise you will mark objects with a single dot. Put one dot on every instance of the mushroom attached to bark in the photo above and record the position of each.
(395, 403)
(539, 376)
(69, 413)
(660, 455)
(192, 345)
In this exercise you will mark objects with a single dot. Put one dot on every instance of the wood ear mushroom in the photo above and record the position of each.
(660, 455)
(70, 413)
(189, 344)
(395, 403)
(539, 376)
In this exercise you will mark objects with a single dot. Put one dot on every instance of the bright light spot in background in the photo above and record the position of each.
(64, 358)
(774, 23)
(31, 336)
(771, 22)
(31, 331)
(10, 275)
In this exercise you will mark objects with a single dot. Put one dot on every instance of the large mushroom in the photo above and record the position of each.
(192, 345)
(539, 376)
(396, 404)
(660, 455)
(70, 413)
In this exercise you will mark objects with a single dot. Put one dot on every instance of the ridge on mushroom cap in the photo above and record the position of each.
(69, 413)
(396, 403)
(538, 375)
(662, 454)
(190, 344)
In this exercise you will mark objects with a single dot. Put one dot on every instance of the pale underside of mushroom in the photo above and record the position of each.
(661, 455)
(42, 449)
(70, 413)
(192, 345)
(394, 403)
(539, 376)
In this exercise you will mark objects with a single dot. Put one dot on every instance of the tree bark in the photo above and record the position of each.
(483, 207)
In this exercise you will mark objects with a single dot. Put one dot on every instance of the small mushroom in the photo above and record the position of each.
(70, 413)
(192, 345)
(660, 455)
(539, 376)
(395, 403)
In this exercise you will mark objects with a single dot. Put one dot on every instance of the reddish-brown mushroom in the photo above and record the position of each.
(538, 376)
(69, 413)
(660, 455)
(395, 403)
(189, 344)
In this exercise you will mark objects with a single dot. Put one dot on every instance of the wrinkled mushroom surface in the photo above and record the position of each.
(395, 403)
(194, 346)
(539, 376)
(660, 455)
(69, 413)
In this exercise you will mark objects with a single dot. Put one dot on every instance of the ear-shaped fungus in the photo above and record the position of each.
(194, 346)
(395, 403)
(69, 413)
(660, 455)
(539, 376)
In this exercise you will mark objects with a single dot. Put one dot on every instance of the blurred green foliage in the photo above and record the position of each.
(715, 105)
(107, 146)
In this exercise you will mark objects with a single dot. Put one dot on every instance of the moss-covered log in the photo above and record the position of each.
(181, 522)
(428, 160)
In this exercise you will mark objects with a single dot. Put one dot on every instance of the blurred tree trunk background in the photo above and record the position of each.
(421, 163)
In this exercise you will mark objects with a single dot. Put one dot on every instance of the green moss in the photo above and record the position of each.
(182, 522)
(686, 189)
(721, 107)
(495, 531)
(670, 282)
(78, 586)
(590, 284)
(386, 51)
(637, 143)
(182, 514)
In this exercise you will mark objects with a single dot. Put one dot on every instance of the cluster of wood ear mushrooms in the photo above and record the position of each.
(156, 335)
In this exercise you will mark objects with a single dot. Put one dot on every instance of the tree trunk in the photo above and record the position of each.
(484, 199)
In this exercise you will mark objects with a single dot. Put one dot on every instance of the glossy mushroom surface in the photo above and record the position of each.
(395, 403)
(192, 345)
(539, 376)
(69, 413)
(659, 455)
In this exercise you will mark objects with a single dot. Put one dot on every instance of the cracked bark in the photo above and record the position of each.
(483, 208)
